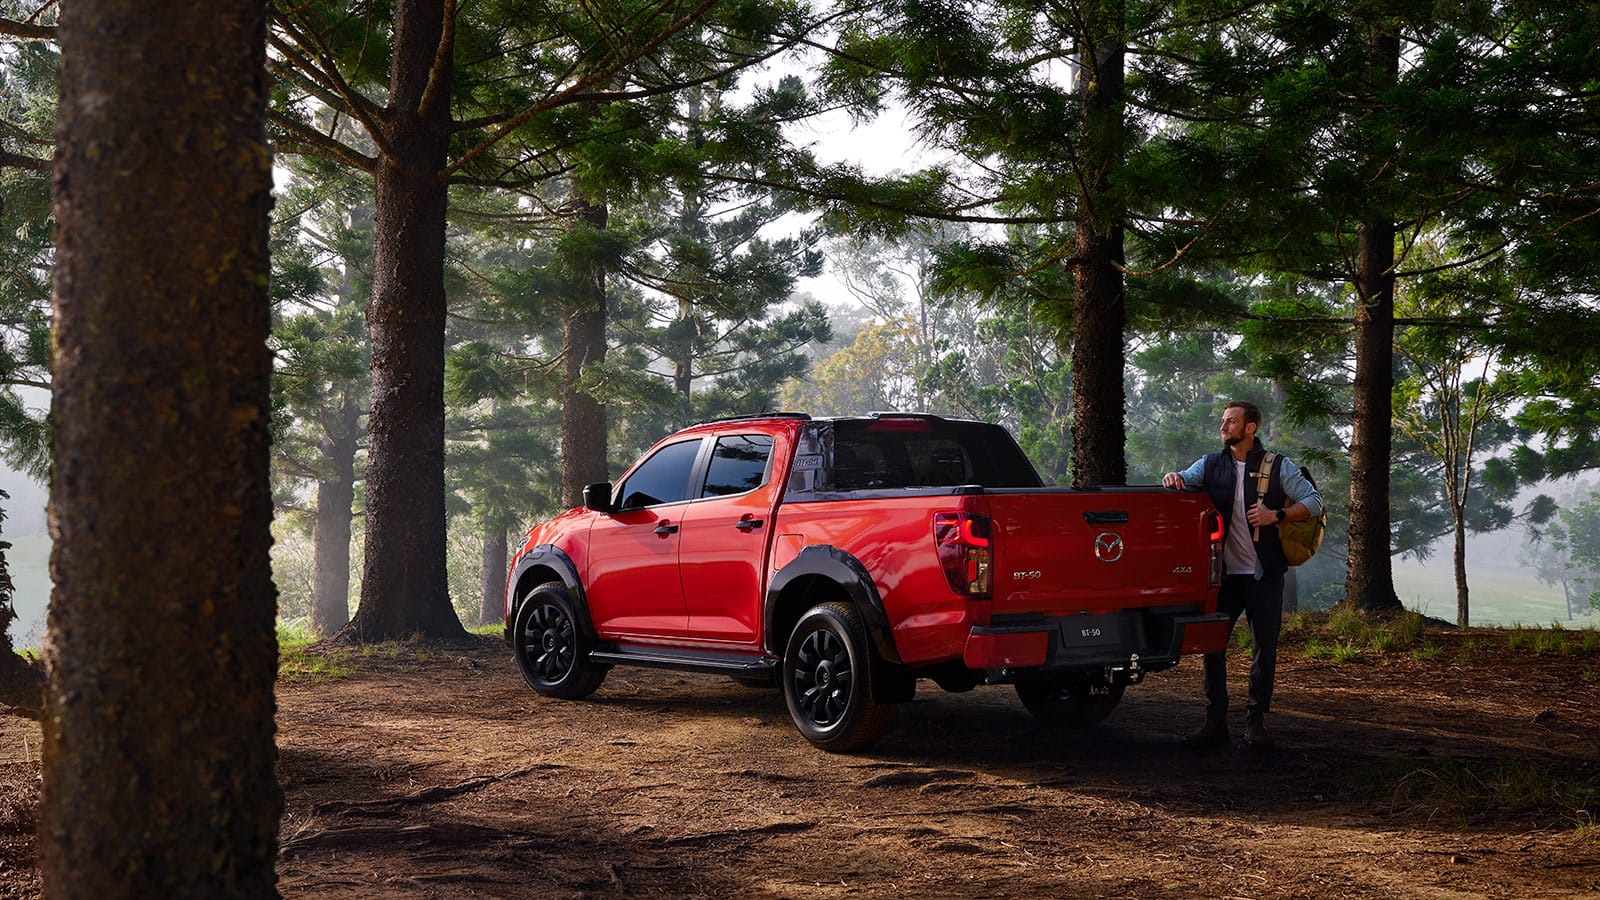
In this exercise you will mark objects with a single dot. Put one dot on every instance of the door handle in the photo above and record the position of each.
(665, 528)
(747, 525)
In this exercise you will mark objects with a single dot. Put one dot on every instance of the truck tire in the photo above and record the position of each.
(552, 651)
(827, 680)
(1070, 705)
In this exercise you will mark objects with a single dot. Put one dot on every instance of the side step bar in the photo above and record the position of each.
(691, 660)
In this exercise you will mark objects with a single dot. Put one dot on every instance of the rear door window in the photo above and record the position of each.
(739, 463)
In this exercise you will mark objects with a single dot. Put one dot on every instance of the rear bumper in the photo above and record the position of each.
(1051, 644)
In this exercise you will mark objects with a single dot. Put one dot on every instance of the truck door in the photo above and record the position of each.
(726, 531)
(633, 586)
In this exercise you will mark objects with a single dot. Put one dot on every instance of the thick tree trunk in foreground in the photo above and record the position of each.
(404, 588)
(1098, 303)
(158, 740)
(583, 418)
(336, 495)
(1370, 572)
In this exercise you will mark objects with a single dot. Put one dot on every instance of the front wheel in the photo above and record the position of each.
(552, 650)
(827, 680)
(1071, 705)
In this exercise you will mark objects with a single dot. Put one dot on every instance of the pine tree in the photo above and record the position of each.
(159, 759)
(475, 95)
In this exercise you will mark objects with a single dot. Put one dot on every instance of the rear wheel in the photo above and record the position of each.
(1071, 705)
(552, 650)
(827, 680)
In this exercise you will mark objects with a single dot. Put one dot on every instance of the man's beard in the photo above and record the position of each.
(1231, 441)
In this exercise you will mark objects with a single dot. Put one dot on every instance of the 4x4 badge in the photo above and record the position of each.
(1108, 546)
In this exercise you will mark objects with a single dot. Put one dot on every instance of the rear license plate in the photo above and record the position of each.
(1092, 631)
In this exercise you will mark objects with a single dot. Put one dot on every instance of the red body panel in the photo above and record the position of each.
(893, 539)
(1046, 559)
(688, 574)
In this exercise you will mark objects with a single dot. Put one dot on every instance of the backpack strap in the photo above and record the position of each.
(1263, 479)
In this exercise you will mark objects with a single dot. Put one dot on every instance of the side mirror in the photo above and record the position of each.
(597, 497)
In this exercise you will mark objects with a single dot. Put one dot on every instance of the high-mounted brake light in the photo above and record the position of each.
(962, 541)
(1211, 524)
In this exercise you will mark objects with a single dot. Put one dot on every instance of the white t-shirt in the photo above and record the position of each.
(1239, 554)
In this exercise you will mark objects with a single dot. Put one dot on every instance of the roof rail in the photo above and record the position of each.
(748, 416)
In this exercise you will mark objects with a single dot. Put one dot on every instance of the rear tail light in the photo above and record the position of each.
(1211, 524)
(965, 552)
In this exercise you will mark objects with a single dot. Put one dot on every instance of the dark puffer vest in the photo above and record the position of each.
(1219, 472)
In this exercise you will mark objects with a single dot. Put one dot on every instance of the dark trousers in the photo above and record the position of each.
(1262, 605)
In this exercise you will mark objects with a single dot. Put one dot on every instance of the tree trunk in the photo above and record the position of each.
(583, 418)
(404, 587)
(1370, 572)
(1098, 304)
(494, 571)
(330, 588)
(158, 735)
(1460, 560)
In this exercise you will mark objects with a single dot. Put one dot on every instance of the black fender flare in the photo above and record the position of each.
(556, 560)
(847, 572)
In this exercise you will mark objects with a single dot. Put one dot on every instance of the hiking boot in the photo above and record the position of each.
(1255, 734)
(1211, 734)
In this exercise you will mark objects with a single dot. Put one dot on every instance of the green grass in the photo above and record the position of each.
(1467, 790)
(298, 664)
(1317, 648)
(1556, 640)
(1347, 622)
(295, 633)
(1503, 592)
(1348, 651)
(1427, 652)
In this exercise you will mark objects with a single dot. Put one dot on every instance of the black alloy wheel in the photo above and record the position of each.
(551, 649)
(827, 680)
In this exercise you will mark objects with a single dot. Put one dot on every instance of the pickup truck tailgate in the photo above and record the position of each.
(1061, 552)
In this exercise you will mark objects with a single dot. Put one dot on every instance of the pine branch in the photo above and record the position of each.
(310, 142)
(355, 103)
(26, 31)
(441, 62)
(18, 161)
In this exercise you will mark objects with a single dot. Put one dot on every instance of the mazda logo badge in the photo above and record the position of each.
(1108, 547)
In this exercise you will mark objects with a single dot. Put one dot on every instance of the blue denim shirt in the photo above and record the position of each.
(1298, 488)
(1294, 484)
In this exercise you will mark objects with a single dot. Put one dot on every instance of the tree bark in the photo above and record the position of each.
(1460, 559)
(336, 494)
(404, 587)
(158, 734)
(1098, 303)
(1370, 570)
(583, 418)
(493, 609)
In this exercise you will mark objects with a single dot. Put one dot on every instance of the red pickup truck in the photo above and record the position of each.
(846, 558)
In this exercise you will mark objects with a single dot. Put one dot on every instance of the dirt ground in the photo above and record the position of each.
(434, 772)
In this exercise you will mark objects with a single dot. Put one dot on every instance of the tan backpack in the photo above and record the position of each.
(1300, 540)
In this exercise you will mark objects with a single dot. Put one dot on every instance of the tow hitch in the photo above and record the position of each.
(1131, 673)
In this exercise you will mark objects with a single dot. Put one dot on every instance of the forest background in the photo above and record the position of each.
(517, 241)
(925, 264)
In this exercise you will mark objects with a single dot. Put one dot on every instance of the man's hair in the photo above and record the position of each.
(1252, 412)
